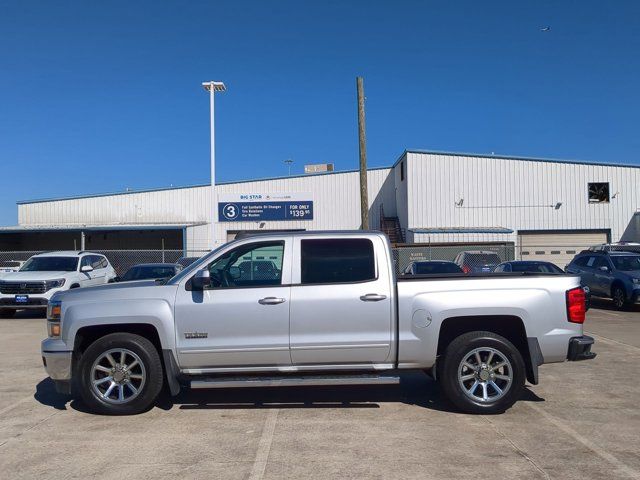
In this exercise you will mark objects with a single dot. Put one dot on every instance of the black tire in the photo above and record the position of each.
(7, 313)
(451, 364)
(152, 365)
(619, 297)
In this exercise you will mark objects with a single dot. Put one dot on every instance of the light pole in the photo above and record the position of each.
(213, 87)
(288, 161)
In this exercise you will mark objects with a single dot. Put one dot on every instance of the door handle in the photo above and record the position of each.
(372, 297)
(271, 301)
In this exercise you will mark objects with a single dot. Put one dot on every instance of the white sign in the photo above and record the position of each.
(264, 197)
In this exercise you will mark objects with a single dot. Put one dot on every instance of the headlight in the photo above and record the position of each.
(54, 315)
(54, 283)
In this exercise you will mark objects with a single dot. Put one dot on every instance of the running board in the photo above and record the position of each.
(298, 381)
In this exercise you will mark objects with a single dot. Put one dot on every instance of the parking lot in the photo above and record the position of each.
(582, 421)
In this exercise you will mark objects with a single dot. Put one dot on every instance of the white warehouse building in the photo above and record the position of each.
(426, 197)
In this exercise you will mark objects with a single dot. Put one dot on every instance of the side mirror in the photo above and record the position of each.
(201, 280)
(235, 272)
(86, 268)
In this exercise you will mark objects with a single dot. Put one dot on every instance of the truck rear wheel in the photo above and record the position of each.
(120, 374)
(482, 373)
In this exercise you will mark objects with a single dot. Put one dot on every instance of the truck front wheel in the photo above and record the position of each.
(120, 374)
(482, 373)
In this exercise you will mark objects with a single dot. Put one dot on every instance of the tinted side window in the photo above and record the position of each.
(86, 261)
(337, 260)
(581, 262)
(251, 265)
(591, 261)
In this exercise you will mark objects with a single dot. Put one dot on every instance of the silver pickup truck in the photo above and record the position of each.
(311, 308)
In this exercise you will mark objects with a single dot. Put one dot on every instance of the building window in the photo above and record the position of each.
(402, 171)
(599, 192)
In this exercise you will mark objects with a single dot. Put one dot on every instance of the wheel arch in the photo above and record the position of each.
(617, 283)
(510, 327)
(85, 336)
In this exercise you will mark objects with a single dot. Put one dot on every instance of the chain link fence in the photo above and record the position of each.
(470, 257)
(474, 258)
(121, 260)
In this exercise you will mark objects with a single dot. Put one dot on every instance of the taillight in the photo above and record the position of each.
(466, 269)
(576, 305)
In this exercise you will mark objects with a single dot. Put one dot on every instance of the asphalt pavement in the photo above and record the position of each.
(582, 421)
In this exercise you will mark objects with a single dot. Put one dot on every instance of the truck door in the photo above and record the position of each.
(242, 320)
(341, 302)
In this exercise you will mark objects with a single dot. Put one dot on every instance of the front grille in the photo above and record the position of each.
(22, 288)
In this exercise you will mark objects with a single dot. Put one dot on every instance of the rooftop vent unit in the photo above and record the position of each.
(318, 168)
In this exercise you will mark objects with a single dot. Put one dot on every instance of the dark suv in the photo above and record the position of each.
(613, 274)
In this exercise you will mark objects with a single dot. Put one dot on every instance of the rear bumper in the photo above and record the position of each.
(580, 348)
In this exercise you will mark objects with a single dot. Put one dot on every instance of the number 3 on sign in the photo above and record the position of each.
(230, 211)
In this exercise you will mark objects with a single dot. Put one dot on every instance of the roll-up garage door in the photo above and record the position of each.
(556, 247)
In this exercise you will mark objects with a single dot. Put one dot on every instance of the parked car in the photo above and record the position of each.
(333, 313)
(620, 246)
(477, 261)
(610, 274)
(150, 271)
(528, 266)
(8, 266)
(431, 267)
(48, 273)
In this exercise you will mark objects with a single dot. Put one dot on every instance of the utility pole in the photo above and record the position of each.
(362, 141)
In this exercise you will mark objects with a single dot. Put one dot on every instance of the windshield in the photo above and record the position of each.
(535, 267)
(50, 264)
(626, 264)
(148, 272)
(436, 267)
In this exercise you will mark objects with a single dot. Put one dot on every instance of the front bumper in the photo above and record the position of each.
(580, 348)
(57, 365)
(11, 304)
(36, 300)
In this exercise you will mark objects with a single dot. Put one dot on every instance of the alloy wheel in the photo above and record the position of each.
(118, 376)
(485, 374)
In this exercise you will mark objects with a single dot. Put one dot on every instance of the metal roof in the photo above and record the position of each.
(162, 189)
(89, 228)
(285, 177)
(461, 230)
(498, 156)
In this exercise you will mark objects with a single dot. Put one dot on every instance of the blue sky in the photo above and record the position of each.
(101, 96)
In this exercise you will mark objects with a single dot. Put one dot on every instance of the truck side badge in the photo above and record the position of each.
(191, 335)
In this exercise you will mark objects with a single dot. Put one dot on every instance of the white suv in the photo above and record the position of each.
(43, 275)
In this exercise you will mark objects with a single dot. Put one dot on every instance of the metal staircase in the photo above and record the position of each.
(391, 227)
